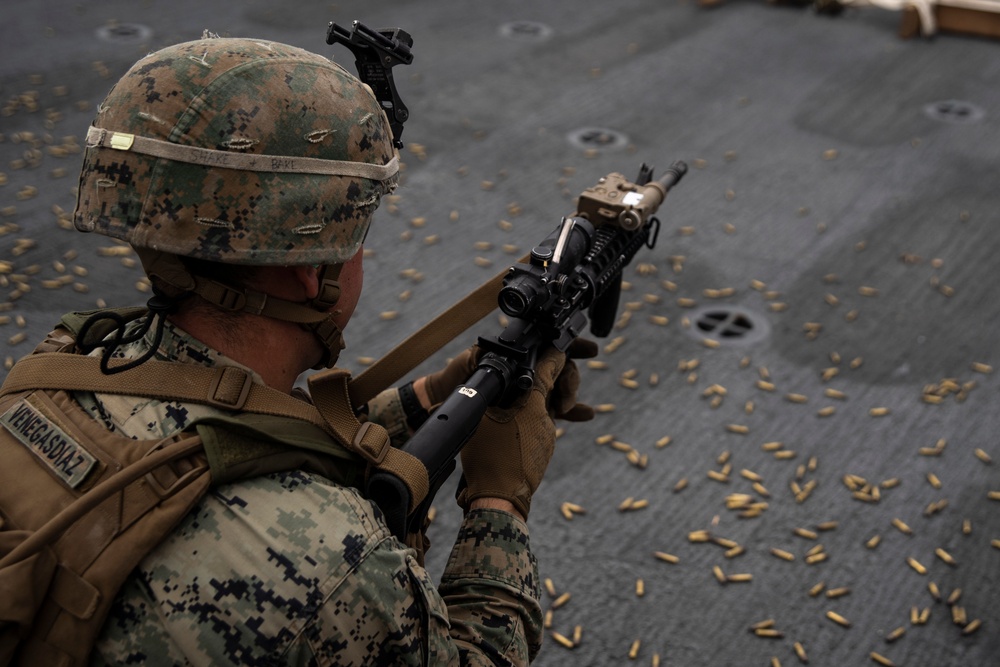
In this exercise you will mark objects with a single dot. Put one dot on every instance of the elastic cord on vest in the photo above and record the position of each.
(159, 306)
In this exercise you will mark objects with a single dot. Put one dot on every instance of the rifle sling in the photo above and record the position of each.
(427, 340)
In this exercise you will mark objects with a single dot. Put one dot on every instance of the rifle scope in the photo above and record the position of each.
(531, 287)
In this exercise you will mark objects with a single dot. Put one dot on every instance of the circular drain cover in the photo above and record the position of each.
(954, 111)
(728, 325)
(124, 32)
(526, 31)
(597, 137)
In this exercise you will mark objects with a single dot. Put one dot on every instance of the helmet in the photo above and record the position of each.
(238, 151)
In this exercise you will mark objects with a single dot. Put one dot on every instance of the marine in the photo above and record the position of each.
(255, 257)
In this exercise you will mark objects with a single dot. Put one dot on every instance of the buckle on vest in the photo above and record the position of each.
(229, 389)
(374, 450)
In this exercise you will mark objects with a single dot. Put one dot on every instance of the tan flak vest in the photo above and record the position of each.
(80, 506)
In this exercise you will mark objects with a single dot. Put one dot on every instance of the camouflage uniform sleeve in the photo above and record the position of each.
(386, 410)
(491, 588)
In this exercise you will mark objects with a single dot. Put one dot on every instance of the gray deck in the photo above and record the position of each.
(820, 191)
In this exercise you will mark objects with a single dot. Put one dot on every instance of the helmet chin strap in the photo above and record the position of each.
(314, 316)
(330, 336)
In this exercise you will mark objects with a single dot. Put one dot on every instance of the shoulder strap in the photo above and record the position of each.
(225, 387)
(253, 445)
(228, 388)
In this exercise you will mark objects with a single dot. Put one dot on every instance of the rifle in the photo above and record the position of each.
(577, 269)
(573, 276)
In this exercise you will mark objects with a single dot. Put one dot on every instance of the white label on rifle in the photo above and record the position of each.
(632, 199)
(467, 391)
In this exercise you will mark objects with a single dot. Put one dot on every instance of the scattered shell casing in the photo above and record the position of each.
(633, 650)
(769, 633)
(945, 556)
(915, 564)
(718, 476)
(902, 527)
(838, 619)
(561, 600)
(972, 627)
(782, 554)
(895, 634)
(934, 590)
(550, 587)
(563, 640)
(881, 659)
(800, 651)
(817, 589)
(668, 558)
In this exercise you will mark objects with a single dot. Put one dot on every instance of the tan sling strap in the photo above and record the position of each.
(330, 391)
(229, 388)
(427, 340)
(225, 387)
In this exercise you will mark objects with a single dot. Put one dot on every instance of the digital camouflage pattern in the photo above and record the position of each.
(242, 96)
(292, 569)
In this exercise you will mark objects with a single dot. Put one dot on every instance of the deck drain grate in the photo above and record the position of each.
(526, 31)
(728, 325)
(959, 112)
(124, 33)
(597, 138)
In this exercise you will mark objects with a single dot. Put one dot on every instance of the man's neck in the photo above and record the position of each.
(273, 349)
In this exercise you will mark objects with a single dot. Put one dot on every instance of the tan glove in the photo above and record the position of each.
(562, 400)
(510, 450)
(439, 385)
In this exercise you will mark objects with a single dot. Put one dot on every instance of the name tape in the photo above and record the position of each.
(65, 457)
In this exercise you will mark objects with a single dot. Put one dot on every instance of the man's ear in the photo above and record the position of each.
(308, 278)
